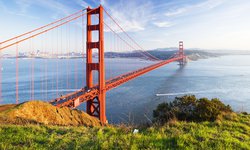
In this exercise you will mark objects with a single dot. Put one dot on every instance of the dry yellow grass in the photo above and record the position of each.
(6, 107)
(39, 112)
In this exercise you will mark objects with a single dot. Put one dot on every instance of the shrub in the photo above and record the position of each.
(207, 110)
(189, 108)
(244, 113)
(163, 113)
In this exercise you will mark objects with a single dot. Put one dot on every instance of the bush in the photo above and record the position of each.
(189, 108)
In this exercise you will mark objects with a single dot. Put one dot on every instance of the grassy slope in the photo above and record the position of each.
(38, 112)
(228, 132)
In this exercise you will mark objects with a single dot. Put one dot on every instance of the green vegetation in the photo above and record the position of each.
(223, 130)
(229, 131)
(189, 108)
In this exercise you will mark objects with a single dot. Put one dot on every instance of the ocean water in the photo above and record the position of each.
(225, 77)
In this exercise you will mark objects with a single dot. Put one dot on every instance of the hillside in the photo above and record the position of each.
(38, 112)
(40, 125)
(229, 131)
(165, 54)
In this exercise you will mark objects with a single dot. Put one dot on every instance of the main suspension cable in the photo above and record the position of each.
(142, 49)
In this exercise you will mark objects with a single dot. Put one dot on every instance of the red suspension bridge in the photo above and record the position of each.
(57, 39)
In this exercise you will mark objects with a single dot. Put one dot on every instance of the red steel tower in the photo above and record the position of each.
(181, 53)
(96, 106)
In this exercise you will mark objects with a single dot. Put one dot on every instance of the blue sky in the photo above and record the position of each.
(206, 24)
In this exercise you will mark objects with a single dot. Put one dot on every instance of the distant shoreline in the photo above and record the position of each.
(192, 55)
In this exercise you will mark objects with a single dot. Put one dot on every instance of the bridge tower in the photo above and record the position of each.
(181, 53)
(96, 106)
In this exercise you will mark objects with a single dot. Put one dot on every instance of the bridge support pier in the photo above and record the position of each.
(97, 106)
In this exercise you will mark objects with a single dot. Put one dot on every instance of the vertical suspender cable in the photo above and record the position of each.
(1, 70)
(56, 57)
(33, 65)
(51, 75)
(83, 43)
(46, 72)
(30, 69)
(42, 51)
(51, 60)
(76, 58)
(61, 53)
(113, 41)
(67, 60)
(17, 98)
(108, 48)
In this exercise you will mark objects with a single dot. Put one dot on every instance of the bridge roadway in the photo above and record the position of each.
(74, 99)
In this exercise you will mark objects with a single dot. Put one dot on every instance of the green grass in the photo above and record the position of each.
(227, 132)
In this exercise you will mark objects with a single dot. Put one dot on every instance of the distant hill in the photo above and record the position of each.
(165, 53)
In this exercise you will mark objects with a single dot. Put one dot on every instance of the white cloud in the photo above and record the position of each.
(164, 24)
(23, 5)
(82, 3)
(102, 2)
(176, 12)
(155, 40)
(56, 6)
(132, 16)
(186, 9)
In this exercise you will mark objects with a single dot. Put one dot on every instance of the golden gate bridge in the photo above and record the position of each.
(101, 32)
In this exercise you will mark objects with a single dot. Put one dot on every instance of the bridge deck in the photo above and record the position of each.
(76, 98)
